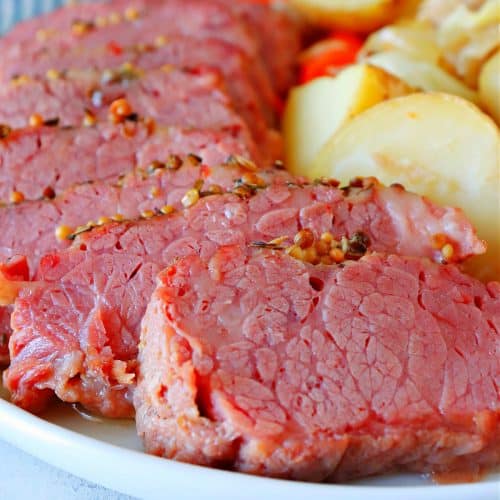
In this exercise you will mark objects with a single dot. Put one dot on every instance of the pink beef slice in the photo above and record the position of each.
(170, 96)
(279, 36)
(34, 159)
(51, 35)
(76, 328)
(249, 28)
(248, 83)
(141, 193)
(256, 361)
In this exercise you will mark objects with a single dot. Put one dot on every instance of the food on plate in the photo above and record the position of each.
(248, 82)
(161, 187)
(258, 31)
(319, 372)
(434, 144)
(355, 15)
(421, 74)
(437, 11)
(489, 86)
(37, 162)
(413, 37)
(158, 259)
(316, 110)
(101, 284)
(468, 35)
(45, 162)
(169, 95)
(329, 56)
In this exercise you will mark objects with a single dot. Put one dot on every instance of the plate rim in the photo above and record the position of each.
(33, 435)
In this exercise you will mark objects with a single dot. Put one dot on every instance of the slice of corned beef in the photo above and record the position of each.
(248, 83)
(169, 96)
(253, 360)
(279, 38)
(37, 161)
(55, 35)
(82, 26)
(76, 327)
(175, 95)
(78, 26)
(162, 187)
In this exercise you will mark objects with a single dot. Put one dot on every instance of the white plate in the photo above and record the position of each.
(109, 453)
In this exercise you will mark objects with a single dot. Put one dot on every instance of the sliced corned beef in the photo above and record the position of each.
(35, 161)
(82, 26)
(279, 38)
(144, 192)
(247, 81)
(161, 187)
(256, 361)
(76, 328)
(65, 31)
(171, 96)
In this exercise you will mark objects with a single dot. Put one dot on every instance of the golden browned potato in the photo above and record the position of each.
(435, 144)
(489, 86)
(315, 110)
(356, 15)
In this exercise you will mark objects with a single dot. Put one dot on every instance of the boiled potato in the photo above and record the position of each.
(315, 110)
(489, 86)
(467, 38)
(355, 15)
(437, 11)
(435, 144)
(415, 38)
(421, 74)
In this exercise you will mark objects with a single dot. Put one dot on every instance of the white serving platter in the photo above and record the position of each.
(109, 453)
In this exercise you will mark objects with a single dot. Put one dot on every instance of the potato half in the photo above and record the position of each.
(489, 86)
(435, 144)
(421, 74)
(356, 15)
(315, 110)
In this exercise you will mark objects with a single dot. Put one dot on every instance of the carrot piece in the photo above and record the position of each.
(329, 55)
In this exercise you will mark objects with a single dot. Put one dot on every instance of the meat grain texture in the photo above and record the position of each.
(265, 364)
(76, 330)
(169, 95)
(260, 32)
(35, 159)
(248, 358)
